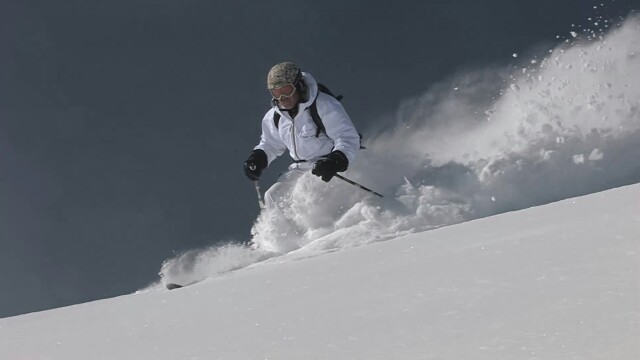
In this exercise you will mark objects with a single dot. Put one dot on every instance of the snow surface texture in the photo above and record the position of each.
(565, 123)
(560, 281)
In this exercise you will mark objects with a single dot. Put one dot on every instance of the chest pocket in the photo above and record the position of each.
(308, 131)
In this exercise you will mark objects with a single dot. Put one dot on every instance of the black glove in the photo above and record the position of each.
(254, 165)
(328, 167)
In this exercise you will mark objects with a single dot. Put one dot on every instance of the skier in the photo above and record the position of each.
(289, 125)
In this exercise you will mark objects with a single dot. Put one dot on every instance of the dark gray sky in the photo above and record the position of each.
(124, 124)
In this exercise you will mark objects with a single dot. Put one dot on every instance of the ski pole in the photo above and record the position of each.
(252, 167)
(260, 201)
(358, 185)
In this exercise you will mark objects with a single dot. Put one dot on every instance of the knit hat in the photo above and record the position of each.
(283, 74)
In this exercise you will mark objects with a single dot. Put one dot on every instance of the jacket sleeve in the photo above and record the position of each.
(270, 141)
(338, 126)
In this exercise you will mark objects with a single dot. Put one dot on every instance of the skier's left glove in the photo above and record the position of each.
(328, 167)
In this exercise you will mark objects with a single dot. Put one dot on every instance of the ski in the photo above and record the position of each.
(171, 286)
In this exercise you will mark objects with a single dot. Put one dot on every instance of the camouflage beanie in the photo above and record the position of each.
(283, 74)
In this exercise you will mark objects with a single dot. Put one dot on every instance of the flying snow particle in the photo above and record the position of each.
(515, 55)
(578, 159)
(574, 34)
(596, 155)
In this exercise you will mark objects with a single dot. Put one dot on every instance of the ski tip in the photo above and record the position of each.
(171, 286)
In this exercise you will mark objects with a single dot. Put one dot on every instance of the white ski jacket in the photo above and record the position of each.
(298, 135)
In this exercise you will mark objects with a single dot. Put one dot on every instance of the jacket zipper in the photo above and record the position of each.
(293, 134)
(293, 138)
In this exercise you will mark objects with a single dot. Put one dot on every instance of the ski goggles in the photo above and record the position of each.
(283, 92)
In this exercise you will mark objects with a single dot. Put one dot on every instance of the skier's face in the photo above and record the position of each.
(289, 103)
(287, 96)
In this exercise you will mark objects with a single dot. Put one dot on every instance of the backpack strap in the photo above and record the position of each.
(276, 119)
(323, 88)
(320, 126)
(313, 109)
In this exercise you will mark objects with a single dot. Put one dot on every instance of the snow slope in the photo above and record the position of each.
(560, 281)
(560, 123)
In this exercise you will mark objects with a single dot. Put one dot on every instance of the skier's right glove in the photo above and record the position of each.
(254, 165)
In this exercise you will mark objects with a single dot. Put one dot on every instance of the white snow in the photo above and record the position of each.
(366, 281)
(560, 281)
